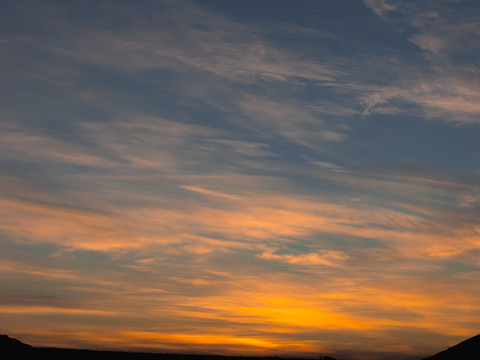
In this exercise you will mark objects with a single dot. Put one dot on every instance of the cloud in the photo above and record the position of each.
(380, 6)
(429, 43)
(327, 258)
(22, 143)
(208, 219)
(185, 173)
(328, 166)
(43, 310)
(452, 98)
(214, 60)
(220, 47)
(446, 87)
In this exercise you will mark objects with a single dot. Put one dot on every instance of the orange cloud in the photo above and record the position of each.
(328, 258)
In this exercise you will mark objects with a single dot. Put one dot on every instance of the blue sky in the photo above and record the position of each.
(240, 177)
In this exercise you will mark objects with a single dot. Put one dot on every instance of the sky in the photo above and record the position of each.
(254, 177)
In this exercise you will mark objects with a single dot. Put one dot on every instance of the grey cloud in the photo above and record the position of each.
(447, 87)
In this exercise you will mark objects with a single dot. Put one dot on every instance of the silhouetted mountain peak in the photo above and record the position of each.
(466, 350)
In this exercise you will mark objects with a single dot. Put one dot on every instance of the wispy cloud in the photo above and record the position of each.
(446, 88)
(328, 258)
(211, 181)
(215, 61)
(379, 7)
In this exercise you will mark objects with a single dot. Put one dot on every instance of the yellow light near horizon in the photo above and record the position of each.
(204, 339)
(212, 343)
(303, 317)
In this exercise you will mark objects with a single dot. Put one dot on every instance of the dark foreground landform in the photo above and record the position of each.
(70, 354)
(14, 349)
(466, 350)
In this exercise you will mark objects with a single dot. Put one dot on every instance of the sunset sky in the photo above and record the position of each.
(245, 177)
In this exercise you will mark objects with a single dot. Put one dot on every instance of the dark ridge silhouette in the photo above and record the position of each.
(15, 349)
(466, 350)
(9, 345)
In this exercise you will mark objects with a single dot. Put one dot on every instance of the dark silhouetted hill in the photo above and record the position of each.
(9, 345)
(14, 349)
(466, 350)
